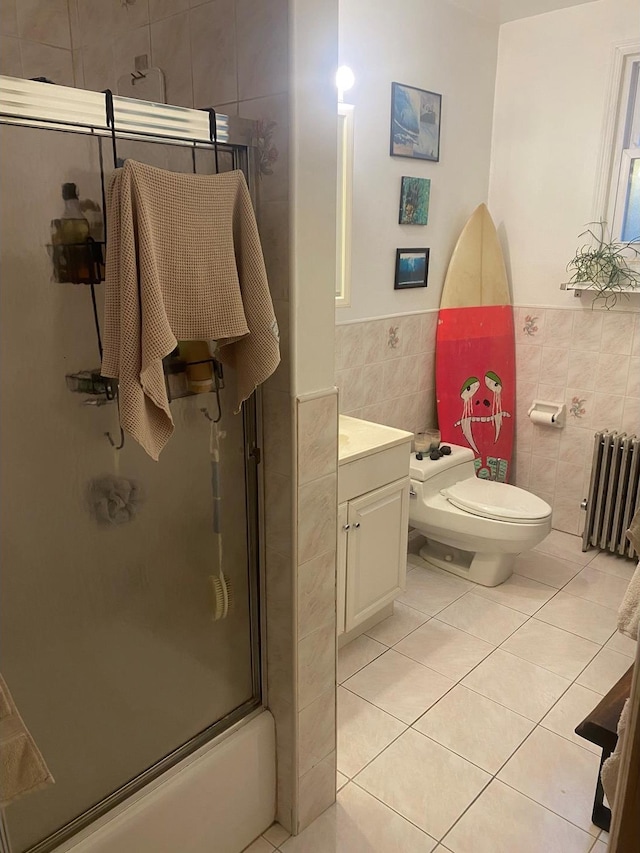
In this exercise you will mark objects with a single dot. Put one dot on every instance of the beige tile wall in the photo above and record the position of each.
(385, 370)
(590, 360)
(317, 461)
(35, 40)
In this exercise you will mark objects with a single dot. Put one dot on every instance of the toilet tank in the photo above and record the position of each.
(436, 474)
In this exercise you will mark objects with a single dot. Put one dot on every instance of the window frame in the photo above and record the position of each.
(615, 159)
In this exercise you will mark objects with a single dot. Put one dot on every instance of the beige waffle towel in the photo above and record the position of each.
(22, 767)
(185, 248)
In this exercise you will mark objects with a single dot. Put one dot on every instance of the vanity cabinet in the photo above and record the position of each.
(373, 521)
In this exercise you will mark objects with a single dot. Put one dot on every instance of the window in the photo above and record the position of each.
(619, 198)
(343, 211)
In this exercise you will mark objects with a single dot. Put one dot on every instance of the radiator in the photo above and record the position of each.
(613, 492)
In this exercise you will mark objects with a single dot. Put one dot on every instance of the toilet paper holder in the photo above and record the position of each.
(544, 413)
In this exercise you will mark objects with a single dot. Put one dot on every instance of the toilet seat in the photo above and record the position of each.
(498, 501)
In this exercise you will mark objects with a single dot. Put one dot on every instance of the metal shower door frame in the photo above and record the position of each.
(34, 104)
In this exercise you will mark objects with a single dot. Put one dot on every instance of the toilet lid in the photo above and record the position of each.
(497, 500)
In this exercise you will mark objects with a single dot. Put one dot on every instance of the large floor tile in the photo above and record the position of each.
(404, 620)
(517, 684)
(566, 546)
(557, 774)
(570, 710)
(363, 732)
(612, 564)
(600, 587)
(450, 652)
(430, 590)
(424, 782)
(582, 617)
(520, 593)
(482, 618)
(604, 670)
(475, 727)
(546, 568)
(276, 834)
(260, 845)
(622, 644)
(341, 780)
(358, 823)
(552, 648)
(503, 821)
(399, 686)
(598, 847)
(356, 654)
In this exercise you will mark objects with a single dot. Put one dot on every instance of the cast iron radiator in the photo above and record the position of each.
(613, 492)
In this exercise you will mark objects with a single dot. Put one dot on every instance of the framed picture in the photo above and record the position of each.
(415, 122)
(414, 201)
(412, 268)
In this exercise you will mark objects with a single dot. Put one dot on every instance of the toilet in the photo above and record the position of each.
(474, 528)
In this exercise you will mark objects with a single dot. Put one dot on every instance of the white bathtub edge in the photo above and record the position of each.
(219, 799)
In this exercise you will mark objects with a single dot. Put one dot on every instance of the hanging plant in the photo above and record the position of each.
(604, 266)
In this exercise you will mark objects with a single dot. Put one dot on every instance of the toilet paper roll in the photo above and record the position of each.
(542, 418)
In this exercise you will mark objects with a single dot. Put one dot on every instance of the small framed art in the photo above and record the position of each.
(412, 268)
(414, 201)
(415, 122)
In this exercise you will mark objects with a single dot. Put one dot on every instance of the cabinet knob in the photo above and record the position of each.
(357, 524)
(346, 527)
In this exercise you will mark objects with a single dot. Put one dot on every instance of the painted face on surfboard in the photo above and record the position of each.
(481, 407)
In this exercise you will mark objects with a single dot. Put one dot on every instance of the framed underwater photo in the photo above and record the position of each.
(412, 268)
(415, 123)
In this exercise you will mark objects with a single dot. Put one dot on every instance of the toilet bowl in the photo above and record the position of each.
(474, 528)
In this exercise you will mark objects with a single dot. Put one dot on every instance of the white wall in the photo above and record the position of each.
(552, 81)
(437, 46)
(313, 98)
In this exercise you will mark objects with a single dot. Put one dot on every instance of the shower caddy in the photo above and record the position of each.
(127, 118)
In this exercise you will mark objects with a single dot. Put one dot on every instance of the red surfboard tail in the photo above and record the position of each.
(475, 384)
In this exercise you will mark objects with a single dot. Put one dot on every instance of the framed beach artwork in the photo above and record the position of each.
(414, 201)
(412, 268)
(415, 123)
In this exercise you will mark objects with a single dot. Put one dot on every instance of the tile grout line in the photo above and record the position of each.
(537, 724)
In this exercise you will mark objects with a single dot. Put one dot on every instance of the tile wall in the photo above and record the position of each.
(589, 359)
(233, 54)
(317, 501)
(385, 370)
(35, 40)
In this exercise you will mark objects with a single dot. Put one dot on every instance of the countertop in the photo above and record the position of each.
(359, 438)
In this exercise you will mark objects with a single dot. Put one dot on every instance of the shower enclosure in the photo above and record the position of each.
(109, 642)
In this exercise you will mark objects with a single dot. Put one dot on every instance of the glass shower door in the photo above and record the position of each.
(109, 643)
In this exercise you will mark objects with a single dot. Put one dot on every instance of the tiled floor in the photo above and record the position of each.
(456, 714)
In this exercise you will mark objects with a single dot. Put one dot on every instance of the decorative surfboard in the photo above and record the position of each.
(475, 350)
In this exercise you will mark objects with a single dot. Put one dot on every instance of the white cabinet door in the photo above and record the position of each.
(341, 566)
(376, 550)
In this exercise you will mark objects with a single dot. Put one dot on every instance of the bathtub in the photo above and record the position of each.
(216, 800)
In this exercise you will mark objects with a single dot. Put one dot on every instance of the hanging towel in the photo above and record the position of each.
(185, 249)
(629, 624)
(22, 767)
(629, 612)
